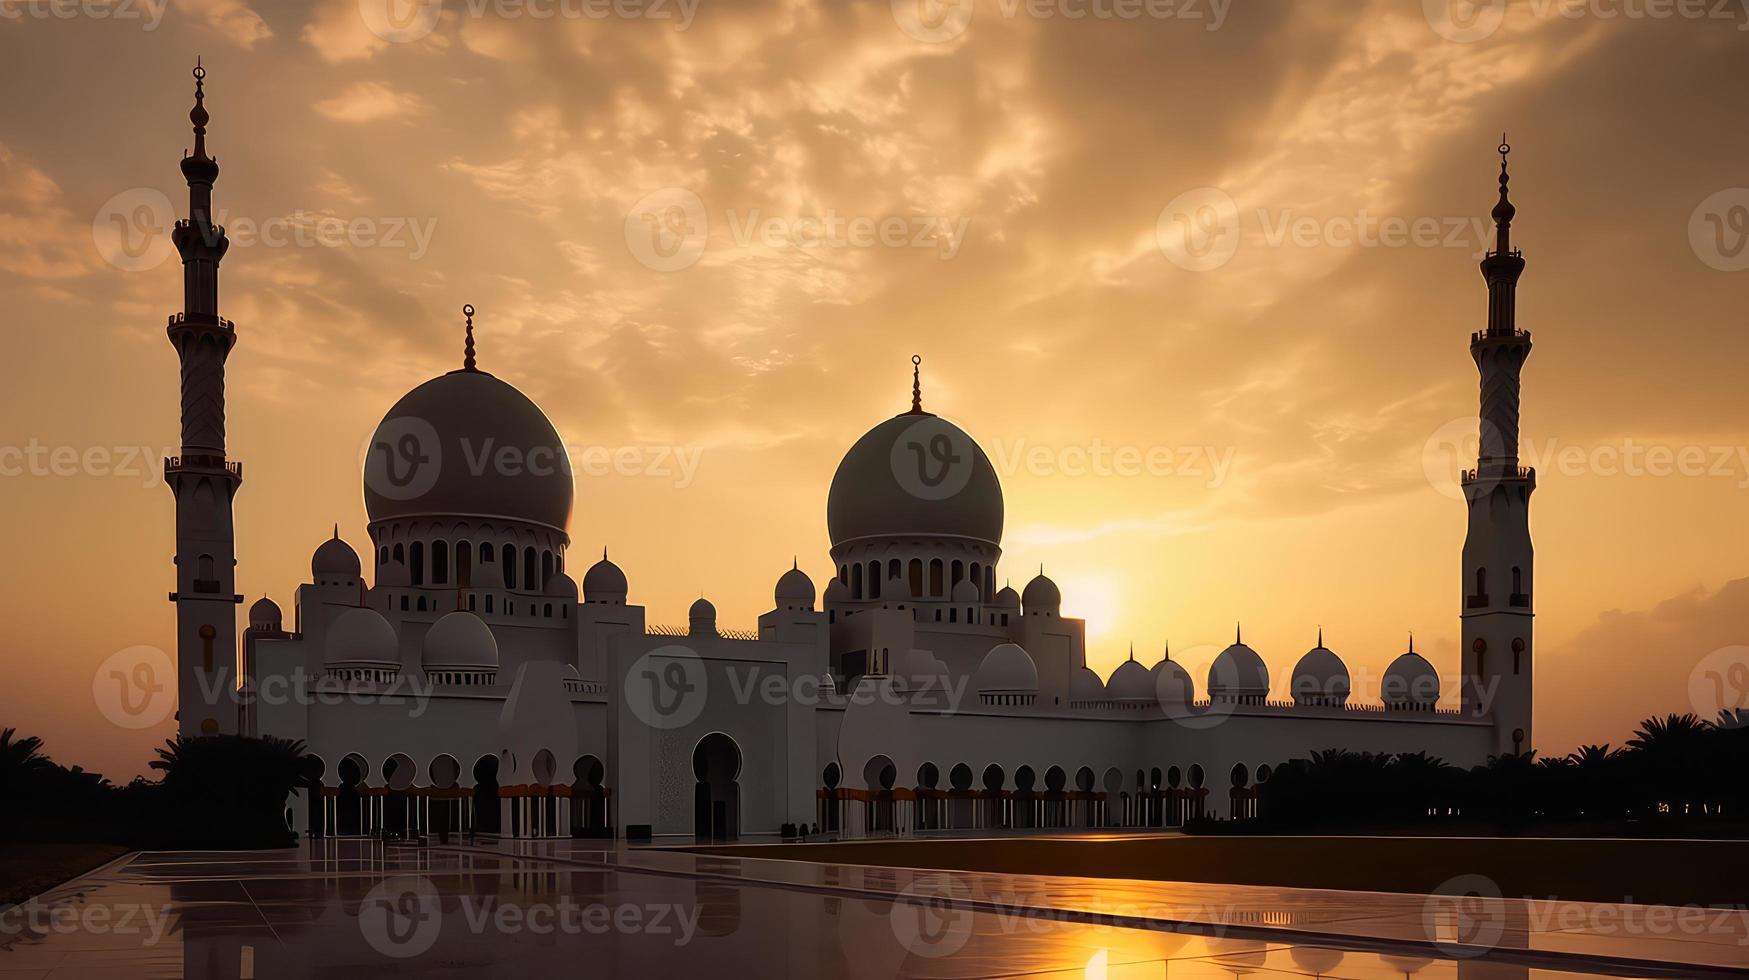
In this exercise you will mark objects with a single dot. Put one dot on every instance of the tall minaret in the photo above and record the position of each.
(202, 479)
(1497, 591)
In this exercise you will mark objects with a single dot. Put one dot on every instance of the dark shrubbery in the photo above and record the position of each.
(1675, 767)
(216, 791)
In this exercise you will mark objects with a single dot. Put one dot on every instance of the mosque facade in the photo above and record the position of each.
(454, 674)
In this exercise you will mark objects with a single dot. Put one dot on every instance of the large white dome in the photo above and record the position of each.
(425, 458)
(361, 637)
(918, 474)
(1007, 667)
(460, 640)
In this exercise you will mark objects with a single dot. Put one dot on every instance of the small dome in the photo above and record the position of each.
(1238, 672)
(1130, 682)
(1085, 685)
(1007, 667)
(794, 588)
(361, 636)
(562, 586)
(702, 617)
(264, 614)
(1041, 595)
(1410, 680)
(965, 591)
(837, 591)
(604, 582)
(334, 558)
(1320, 678)
(460, 640)
(1007, 598)
(1173, 686)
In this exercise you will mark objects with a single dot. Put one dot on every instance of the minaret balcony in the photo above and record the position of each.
(1499, 473)
(208, 320)
(1484, 336)
(203, 463)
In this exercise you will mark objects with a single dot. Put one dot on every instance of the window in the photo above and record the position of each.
(856, 581)
(916, 577)
(464, 564)
(959, 571)
(400, 555)
(546, 565)
(935, 588)
(510, 566)
(874, 580)
(953, 615)
(893, 568)
(488, 603)
(416, 561)
(439, 562)
(529, 581)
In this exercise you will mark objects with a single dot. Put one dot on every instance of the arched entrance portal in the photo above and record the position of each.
(716, 811)
(879, 776)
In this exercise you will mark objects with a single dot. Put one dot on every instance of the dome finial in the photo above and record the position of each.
(917, 384)
(1132, 650)
(1411, 641)
(1238, 633)
(468, 348)
(337, 530)
(1166, 653)
(1320, 636)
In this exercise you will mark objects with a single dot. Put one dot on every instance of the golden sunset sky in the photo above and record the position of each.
(1314, 392)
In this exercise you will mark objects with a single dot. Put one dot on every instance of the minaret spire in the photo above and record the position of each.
(468, 347)
(917, 384)
(1502, 266)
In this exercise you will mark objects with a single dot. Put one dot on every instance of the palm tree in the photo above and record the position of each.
(21, 754)
(1672, 758)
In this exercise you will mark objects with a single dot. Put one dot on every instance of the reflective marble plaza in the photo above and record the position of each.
(356, 908)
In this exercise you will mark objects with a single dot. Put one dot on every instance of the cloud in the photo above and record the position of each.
(1630, 665)
(39, 236)
(365, 102)
(231, 19)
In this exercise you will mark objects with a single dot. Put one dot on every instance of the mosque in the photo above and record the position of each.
(470, 682)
